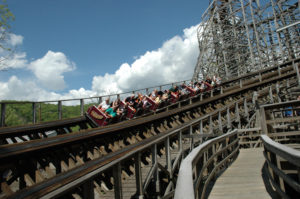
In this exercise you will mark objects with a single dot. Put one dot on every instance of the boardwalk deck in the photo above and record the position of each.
(243, 178)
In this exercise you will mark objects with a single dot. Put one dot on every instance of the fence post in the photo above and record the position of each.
(34, 112)
(81, 107)
(271, 95)
(40, 111)
(278, 91)
(88, 189)
(138, 175)
(297, 71)
(246, 109)
(220, 122)
(180, 140)
(237, 115)
(59, 110)
(260, 77)
(210, 124)
(168, 156)
(117, 181)
(228, 119)
(3, 110)
(263, 123)
(192, 138)
(156, 173)
(201, 130)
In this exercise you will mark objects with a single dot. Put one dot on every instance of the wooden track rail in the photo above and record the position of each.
(75, 154)
(115, 160)
(209, 118)
(20, 148)
(39, 131)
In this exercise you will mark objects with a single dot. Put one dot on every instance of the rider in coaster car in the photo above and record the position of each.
(104, 105)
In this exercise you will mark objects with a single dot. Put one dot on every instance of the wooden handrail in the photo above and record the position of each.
(190, 177)
(280, 180)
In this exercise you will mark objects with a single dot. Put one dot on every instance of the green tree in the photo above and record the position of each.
(6, 16)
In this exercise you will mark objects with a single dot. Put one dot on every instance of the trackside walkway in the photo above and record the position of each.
(243, 178)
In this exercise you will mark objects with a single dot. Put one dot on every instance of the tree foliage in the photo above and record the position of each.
(21, 113)
(6, 16)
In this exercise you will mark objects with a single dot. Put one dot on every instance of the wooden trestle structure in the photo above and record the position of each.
(180, 150)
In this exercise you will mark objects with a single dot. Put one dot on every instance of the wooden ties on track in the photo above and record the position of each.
(48, 163)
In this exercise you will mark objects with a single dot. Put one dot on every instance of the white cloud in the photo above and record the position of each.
(174, 61)
(50, 68)
(15, 40)
(16, 89)
(13, 61)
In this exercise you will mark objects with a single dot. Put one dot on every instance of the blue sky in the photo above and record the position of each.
(96, 37)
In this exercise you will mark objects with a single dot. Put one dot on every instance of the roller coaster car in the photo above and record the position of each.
(191, 91)
(153, 104)
(130, 110)
(208, 86)
(97, 116)
(174, 97)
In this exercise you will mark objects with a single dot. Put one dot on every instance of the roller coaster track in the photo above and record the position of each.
(39, 165)
(38, 131)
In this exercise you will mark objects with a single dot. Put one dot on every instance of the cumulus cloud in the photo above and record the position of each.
(15, 40)
(50, 68)
(17, 89)
(174, 61)
(11, 59)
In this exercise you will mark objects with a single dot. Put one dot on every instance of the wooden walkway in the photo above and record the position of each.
(243, 178)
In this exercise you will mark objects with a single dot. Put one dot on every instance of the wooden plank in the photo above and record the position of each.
(243, 178)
